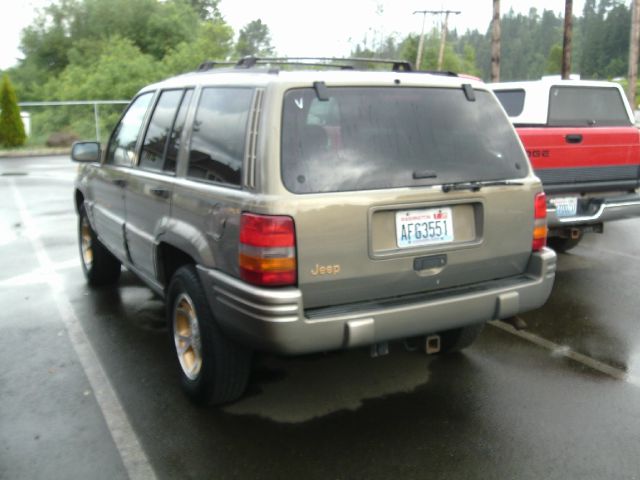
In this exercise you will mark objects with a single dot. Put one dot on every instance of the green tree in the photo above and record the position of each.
(214, 42)
(554, 60)
(600, 42)
(28, 79)
(206, 9)
(107, 50)
(153, 26)
(604, 37)
(459, 57)
(11, 127)
(73, 32)
(46, 41)
(117, 69)
(254, 39)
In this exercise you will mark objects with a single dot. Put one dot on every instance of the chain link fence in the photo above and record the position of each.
(59, 124)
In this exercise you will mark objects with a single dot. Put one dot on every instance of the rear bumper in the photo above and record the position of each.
(275, 320)
(612, 208)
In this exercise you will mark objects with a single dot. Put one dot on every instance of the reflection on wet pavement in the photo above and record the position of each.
(593, 306)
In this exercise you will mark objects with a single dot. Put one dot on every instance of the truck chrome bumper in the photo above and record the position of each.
(275, 320)
(614, 208)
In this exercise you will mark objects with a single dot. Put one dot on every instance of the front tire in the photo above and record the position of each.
(99, 265)
(213, 368)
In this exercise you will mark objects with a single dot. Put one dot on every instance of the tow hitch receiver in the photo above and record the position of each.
(432, 344)
(379, 349)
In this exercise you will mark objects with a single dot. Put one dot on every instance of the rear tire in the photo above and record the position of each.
(458, 339)
(563, 244)
(213, 368)
(99, 265)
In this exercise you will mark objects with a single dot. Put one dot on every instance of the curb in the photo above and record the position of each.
(35, 153)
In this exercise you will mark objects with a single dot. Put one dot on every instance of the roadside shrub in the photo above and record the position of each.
(11, 127)
(61, 139)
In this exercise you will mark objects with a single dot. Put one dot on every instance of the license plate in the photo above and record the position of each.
(565, 206)
(424, 227)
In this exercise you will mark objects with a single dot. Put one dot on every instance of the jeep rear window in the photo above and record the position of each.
(365, 138)
(586, 106)
(512, 101)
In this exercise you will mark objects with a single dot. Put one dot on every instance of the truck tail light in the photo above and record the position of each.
(540, 223)
(267, 250)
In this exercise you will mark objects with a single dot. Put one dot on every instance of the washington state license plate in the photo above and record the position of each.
(424, 227)
(565, 206)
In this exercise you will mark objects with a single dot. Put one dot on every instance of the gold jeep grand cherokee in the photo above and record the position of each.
(289, 209)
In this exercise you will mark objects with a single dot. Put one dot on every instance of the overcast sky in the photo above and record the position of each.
(312, 28)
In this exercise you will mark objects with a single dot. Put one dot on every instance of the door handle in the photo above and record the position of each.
(573, 138)
(161, 192)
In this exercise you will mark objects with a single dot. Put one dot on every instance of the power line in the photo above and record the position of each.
(443, 35)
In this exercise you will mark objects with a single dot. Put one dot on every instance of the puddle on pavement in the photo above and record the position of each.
(301, 389)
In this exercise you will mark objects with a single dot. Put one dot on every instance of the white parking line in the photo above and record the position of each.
(567, 352)
(39, 275)
(133, 457)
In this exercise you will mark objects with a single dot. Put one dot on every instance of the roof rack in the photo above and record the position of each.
(444, 73)
(327, 62)
(209, 65)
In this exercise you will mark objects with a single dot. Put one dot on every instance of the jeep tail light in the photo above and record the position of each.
(267, 250)
(540, 223)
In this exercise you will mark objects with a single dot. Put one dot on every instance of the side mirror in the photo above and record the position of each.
(85, 152)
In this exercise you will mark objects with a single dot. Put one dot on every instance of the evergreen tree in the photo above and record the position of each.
(11, 127)
(554, 60)
(254, 39)
(604, 39)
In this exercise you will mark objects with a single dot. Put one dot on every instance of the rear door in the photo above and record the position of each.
(380, 189)
(148, 196)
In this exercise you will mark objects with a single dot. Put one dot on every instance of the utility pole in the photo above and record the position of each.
(421, 41)
(443, 35)
(633, 52)
(566, 44)
(495, 42)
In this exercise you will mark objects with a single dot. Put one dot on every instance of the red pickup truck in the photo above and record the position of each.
(583, 144)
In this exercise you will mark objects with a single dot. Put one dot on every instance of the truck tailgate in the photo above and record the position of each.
(584, 158)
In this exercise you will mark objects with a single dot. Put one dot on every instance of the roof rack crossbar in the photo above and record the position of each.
(444, 73)
(209, 65)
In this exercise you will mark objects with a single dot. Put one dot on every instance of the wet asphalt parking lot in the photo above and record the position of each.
(88, 388)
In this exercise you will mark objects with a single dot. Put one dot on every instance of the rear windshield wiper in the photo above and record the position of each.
(475, 185)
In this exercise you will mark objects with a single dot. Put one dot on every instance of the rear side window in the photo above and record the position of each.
(219, 135)
(174, 139)
(571, 106)
(122, 147)
(512, 101)
(159, 130)
(373, 138)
